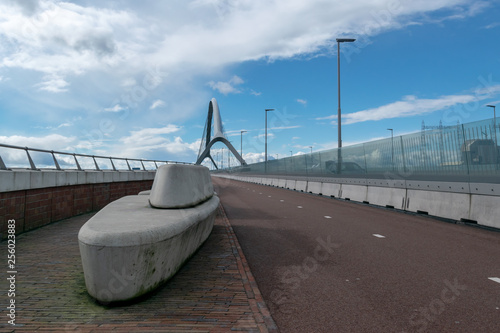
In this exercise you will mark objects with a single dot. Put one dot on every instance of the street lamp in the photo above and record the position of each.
(291, 153)
(311, 149)
(241, 143)
(267, 110)
(392, 143)
(339, 157)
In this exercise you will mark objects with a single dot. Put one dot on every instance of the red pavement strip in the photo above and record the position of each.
(214, 291)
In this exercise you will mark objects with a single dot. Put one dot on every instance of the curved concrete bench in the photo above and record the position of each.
(129, 248)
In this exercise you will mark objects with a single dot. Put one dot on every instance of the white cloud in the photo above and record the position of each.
(492, 25)
(409, 106)
(302, 101)
(116, 108)
(54, 84)
(255, 157)
(228, 87)
(155, 142)
(284, 127)
(18, 158)
(63, 38)
(156, 104)
(413, 106)
(128, 82)
(255, 93)
(149, 136)
(49, 142)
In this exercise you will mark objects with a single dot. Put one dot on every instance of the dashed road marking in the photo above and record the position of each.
(327, 217)
(299, 206)
(495, 279)
(268, 196)
(282, 200)
(379, 236)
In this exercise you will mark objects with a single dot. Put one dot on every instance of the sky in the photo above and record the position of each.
(134, 79)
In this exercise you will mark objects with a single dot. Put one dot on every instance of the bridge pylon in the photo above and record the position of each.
(214, 132)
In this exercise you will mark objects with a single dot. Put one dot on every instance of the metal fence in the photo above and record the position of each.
(467, 152)
(36, 159)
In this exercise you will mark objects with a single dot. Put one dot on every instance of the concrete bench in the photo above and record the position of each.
(130, 247)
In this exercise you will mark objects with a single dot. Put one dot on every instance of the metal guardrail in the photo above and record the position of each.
(58, 167)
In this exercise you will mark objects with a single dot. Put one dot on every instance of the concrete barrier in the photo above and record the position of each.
(290, 184)
(129, 247)
(443, 204)
(485, 210)
(330, 189)
(386, 196)
(301, 185)
(314, 187)
(453, 200)
(18, 180)
(354, 192)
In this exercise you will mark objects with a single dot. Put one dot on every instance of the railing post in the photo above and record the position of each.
(156, 165)
(32, 165)
(143, 167)
(55, 161)
(128, 165)
(77, 164)
(112, 164)
(2, 164)
(95, 163)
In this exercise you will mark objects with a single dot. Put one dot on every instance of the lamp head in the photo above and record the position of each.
(345, 40)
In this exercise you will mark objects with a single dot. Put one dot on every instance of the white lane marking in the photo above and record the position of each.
(299, 206)
(495, 279)
(328, 217)
(282, 200)
(268, 196)
(379, 236)
(260, 193)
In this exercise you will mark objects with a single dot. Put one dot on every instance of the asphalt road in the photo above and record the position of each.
(326, 265)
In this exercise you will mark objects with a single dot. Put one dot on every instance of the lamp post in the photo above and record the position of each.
(311, 149)
(392, 146)
(339, 157)
(291, 153)
(265, 164)
(241, 143)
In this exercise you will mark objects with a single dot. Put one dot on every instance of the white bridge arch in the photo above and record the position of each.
(218, 135)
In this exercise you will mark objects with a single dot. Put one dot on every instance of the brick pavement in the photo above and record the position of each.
(214, 292)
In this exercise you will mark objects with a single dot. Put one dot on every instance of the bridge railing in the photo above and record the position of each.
(36, 159)
(461, 153)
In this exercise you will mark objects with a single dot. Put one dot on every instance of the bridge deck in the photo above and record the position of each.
(326, 265)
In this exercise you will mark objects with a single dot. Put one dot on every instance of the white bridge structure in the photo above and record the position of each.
(213, 126)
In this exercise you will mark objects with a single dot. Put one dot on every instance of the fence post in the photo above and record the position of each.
(77, 164)
(2, 164)
(112, 164)
(95, 163)
(55, 161)
(33, 166)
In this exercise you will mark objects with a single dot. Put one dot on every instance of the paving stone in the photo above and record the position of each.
(213, 292)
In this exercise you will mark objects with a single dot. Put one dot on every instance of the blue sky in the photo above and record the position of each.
(132, 79)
